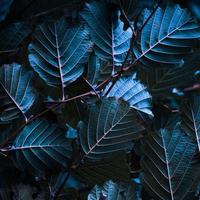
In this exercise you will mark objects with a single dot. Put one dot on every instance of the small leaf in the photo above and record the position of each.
(113, 191)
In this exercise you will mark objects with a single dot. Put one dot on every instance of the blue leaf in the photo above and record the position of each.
(167, 37)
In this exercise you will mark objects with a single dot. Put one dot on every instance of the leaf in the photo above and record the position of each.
(167, 163)
(111, 127)
(111, 42)
(17, 93)
(166, 38)
(133, 8)
(41, 146)
(13, 35)
(132, 91)
(58, 52)
(190, 115)
(114, 168)
(161, 81)
(4, 8)
(113, 191)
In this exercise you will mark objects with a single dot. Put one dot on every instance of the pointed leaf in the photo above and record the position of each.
(169, 173)
(4, 8)
(17, 92)
(111, 127)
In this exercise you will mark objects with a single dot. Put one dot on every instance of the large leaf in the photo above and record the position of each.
(132, 91)
(167, 37)
(190, 116)
(113, 191)
(58, 52)
(169, 173)
(162, 81)
(111, 42)
(41, 146)
(12, 36)
(4, 8)
(17, 95)
(114, 168)
(111, 127)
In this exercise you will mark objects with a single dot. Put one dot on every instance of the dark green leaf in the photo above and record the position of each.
(4, 8)
(114, 168)
(162, 81)
(12, 36)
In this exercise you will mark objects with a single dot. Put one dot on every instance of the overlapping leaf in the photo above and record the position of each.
(167, 37)
(41, 146)
(92, 173)
(191, 118)
(161, 81)
(113, 191)
(169, 173)
(58, 52)
(132, 91)
(111, 127)
(111, 41)
(17, 95)
(12, 36)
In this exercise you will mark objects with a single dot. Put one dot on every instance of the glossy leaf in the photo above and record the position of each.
(17, 94)
(132, 91)
(111, 127)
(167, 37)
(111, 41)
(168, 167)
(191, 118)
(41, 146)
(113, 191)
(58, 52)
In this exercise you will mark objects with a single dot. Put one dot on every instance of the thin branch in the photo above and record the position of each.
(152, 13)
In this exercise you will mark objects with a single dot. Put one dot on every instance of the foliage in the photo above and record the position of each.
(99, 99)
